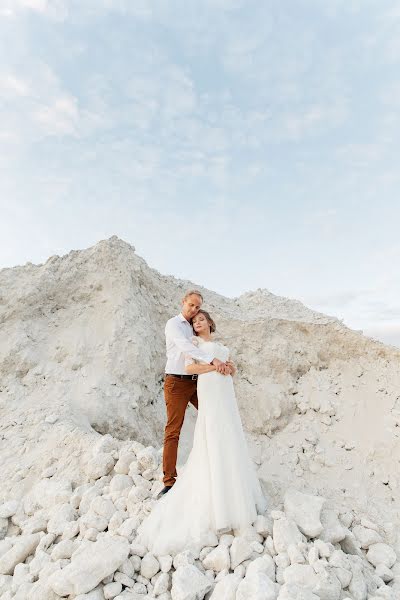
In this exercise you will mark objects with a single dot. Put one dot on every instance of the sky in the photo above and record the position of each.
(236, 143)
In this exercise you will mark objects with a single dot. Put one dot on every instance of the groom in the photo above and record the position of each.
(180, 388)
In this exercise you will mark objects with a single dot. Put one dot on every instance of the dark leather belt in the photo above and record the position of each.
(193, 377)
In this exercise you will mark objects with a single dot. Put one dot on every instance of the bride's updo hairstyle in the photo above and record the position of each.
(210, 320)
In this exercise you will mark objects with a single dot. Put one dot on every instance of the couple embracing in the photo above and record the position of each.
(217, 490)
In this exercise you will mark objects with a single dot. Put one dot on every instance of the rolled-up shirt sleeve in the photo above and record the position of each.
(189, 360)
(185, 345)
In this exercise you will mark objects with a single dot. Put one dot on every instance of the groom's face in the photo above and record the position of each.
(190, 306)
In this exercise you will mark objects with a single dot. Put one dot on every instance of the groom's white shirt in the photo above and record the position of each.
(178, 334)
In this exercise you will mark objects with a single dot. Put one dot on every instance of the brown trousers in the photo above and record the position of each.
(177, 393)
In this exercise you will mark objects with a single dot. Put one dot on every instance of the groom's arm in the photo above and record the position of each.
(174, 333)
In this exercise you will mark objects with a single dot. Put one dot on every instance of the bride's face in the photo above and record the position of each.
(200, 324)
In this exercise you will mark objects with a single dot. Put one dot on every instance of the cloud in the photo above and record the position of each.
(12, 86)
(390, 95)
(375, 310)
(60, 117)
(36, 105)
(389, 333)
(361, 155)
(55, 9)
(273, 128)
(313, 119)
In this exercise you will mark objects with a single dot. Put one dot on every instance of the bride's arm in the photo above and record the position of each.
(197, 369)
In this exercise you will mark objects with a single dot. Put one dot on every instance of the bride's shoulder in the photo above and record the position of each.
(221, 344)
(198, 341)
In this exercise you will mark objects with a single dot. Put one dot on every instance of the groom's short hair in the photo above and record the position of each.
(193, 292)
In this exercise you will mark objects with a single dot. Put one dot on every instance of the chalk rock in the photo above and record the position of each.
(138, 549)
(305, 511)
(41, 591)
(96, 594)
(264, 564)
(149, 566)
(292, 591)
(226, 588)
(98, 466)
(120, 482)
(257, 587)
(286, 532)
(124, 579)
(103, 507)
(77, 494)
(92, 521)
(63, 549)
(147, 459)
(366, 536)
(189, 583)
(128, 527)
(124, 462)
(112, 589)
(328, 586)
(116, 521)
(250, 534)
(381, 554)
(218, 559)
(162, 583)
(240, 551)
(295, 555)
(186, 557)
(165, 563)
(263, 525)
(358, 587)
(106, 444)
(22, 548)
(301, 575)
(36, 523)
(136, 495)
(333, 530)
(71, 529)
(351, 545)
(8, 509)
(5, 546)
(46, 493)
(39, 561)
(384, 573)
(61, 515)
(88, 567)
(324, 549)
(3, 528)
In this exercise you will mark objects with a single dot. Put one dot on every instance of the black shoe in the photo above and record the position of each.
(164, 491)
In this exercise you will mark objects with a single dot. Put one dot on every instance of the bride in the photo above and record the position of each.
(217, 491)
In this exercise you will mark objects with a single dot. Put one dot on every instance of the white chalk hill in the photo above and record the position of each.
(82, 354)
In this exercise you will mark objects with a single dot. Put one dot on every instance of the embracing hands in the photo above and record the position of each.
(225, 368)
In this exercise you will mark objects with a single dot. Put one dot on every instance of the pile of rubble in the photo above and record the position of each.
(80, 543)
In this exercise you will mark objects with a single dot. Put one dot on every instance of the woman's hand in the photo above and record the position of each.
(231, 366)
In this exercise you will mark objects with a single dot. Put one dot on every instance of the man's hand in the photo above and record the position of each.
(221, 367)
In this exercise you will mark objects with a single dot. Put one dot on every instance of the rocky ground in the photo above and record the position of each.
(81, 428)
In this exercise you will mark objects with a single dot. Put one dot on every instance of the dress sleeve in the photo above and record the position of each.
(186, 345)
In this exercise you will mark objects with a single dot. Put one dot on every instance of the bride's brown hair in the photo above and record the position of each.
(210, 320)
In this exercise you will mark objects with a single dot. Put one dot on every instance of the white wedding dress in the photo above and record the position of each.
(217, 490)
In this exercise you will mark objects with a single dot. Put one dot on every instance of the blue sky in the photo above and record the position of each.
(236, 143)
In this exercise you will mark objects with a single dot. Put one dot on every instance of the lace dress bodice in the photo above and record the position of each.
(219, 350)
